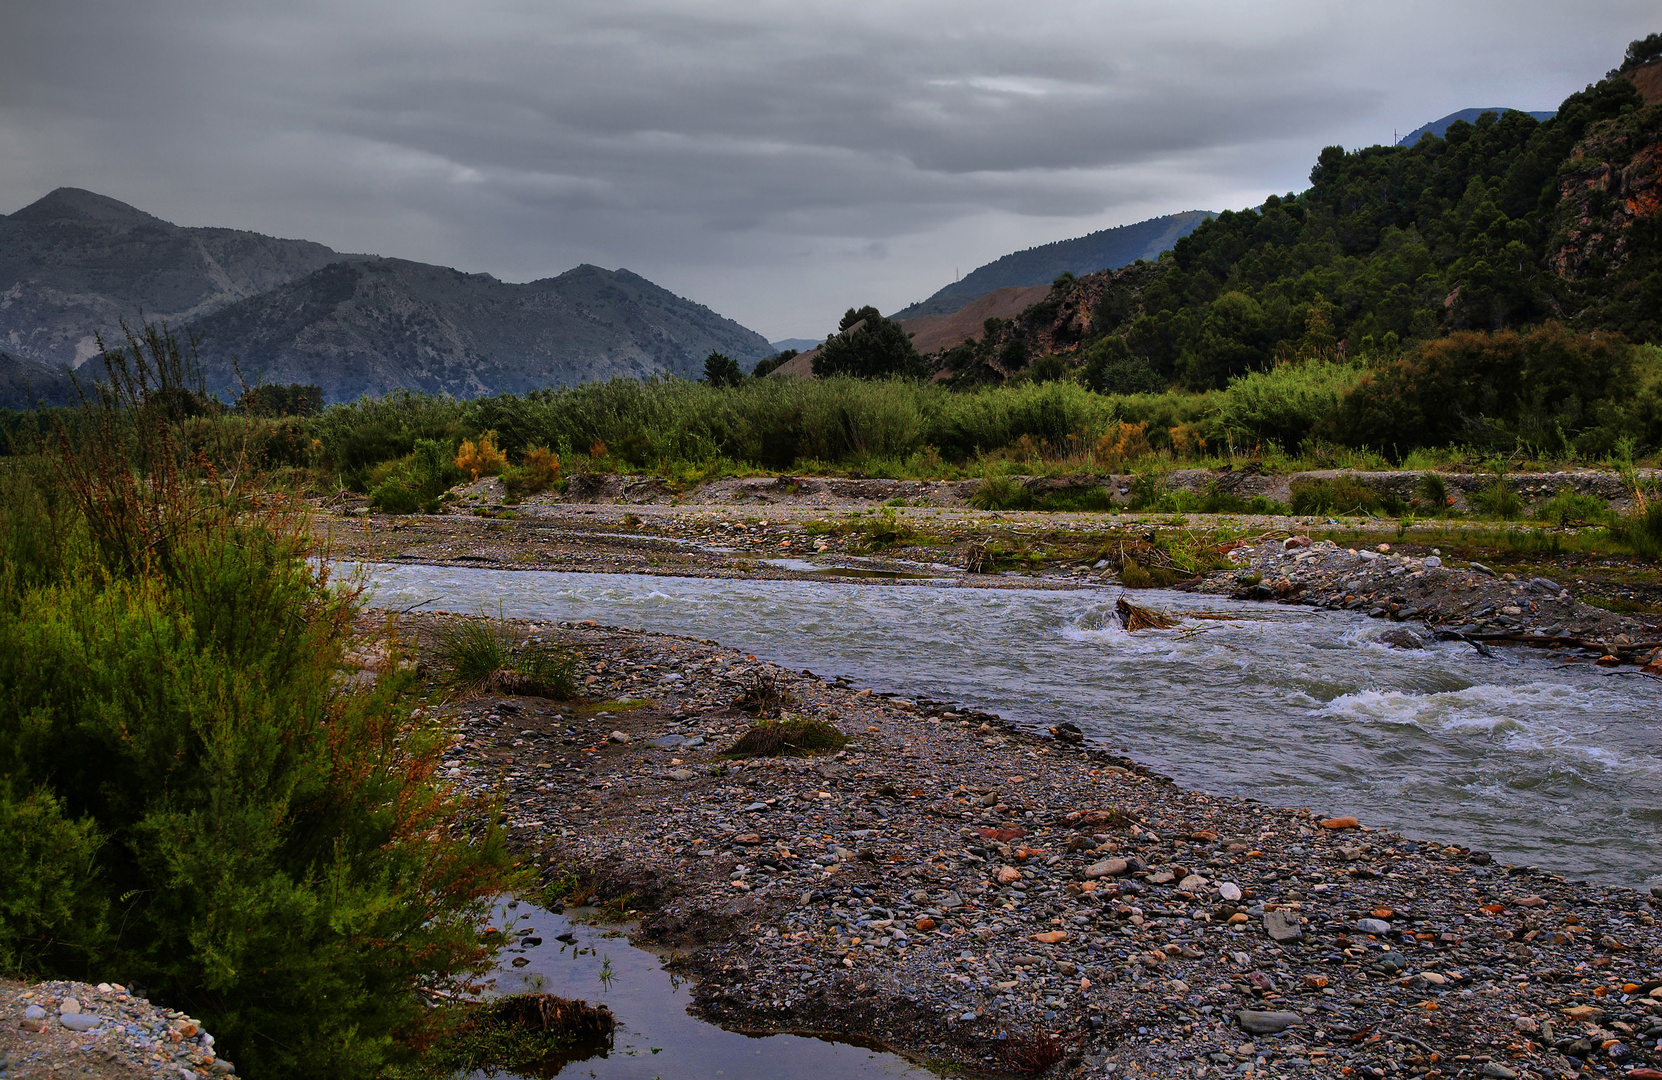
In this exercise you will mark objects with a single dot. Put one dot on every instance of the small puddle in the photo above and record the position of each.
(656, 1039)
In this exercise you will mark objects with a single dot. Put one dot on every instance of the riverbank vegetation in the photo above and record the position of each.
(1542, 398)
(204, 791)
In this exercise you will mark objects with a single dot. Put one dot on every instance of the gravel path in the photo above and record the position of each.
(965, 892)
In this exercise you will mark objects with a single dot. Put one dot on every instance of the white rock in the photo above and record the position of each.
(69, 1007)
(1229, 891)
(618, 737)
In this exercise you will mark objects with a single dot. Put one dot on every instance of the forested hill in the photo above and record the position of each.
(1108, 249)
(1506, 222)
(1440, 126)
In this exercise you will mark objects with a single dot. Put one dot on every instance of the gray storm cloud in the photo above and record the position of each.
(777, 161)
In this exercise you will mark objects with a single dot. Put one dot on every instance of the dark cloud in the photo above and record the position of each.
(778, 161)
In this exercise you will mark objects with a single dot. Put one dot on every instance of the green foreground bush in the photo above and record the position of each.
(192, 797)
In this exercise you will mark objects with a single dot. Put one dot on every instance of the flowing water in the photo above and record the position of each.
(1536, 760)
(656, 1039)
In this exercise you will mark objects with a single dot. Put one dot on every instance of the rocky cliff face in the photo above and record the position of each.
(1607, 244)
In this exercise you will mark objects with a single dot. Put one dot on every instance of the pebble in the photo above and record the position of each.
(1254, 1022)
(1106, 868)
(106, 1019)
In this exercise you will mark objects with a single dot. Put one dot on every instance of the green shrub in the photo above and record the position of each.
(1342, 495)
(1288, 404)
(1546, 388)
(1433, 493)
(1641, 530)
(270, 842)
(1001, 493)
(395, 496)
(1567, 507)
(1081, 498)
(1498, 500)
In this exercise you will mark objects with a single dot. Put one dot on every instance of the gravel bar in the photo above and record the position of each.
(966, 892)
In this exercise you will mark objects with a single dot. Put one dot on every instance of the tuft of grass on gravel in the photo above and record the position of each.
(481, 657)
(797, 737)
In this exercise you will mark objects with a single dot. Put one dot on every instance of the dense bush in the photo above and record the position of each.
(191, 797)
(1547, 389)
(1287, 404)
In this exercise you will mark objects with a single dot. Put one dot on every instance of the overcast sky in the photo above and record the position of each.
(779, 162)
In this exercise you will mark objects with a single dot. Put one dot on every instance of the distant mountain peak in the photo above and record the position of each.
(78, 204)
(1107, 249)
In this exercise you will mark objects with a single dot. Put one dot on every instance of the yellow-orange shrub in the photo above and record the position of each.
(1127, 442)
(482, 458)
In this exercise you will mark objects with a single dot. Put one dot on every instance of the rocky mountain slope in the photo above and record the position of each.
(25, 382)
(1108, 249)
(74, 264)
(376, 325)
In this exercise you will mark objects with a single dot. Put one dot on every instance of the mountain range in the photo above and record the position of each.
(75, 264)
(1108, 249)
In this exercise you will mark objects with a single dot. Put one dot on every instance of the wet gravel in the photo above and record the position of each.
(965, 892)
(1463, 599)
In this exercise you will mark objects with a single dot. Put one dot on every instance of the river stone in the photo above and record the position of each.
(618, 737)
(1106, 868)
(79, 1021)
(34, 1012)
(1373, 926)
(70, 1005)
(1496, 1071)
(1254, 1022)
(682, 774)
(1282, 926)
(1191, 883)
(1402, 639)
(1229, 891)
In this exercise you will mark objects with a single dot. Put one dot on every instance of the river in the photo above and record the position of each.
(1533, 759)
